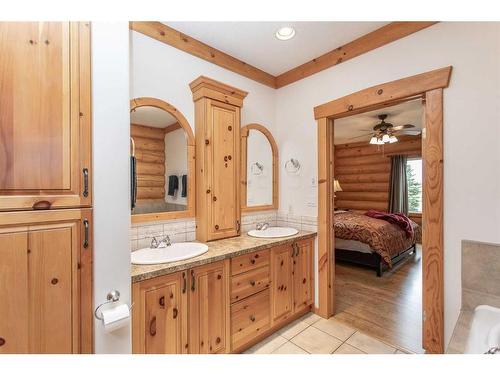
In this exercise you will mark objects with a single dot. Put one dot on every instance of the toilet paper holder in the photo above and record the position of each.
(112, 296)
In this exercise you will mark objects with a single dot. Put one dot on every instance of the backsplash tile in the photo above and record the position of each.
(181, 230)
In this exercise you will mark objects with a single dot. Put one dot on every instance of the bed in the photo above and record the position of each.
(371, 242)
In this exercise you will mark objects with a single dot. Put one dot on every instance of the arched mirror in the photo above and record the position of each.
(162, 151)
(259, 169)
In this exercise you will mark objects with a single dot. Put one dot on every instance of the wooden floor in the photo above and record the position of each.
(388, 307)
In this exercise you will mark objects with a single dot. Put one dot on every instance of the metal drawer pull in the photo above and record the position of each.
(184, 283)
(85, 182)
(85, 233)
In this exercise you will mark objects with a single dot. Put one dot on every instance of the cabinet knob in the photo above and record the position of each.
(54, 281)
(207, 141)
(216, 227)
(2, 341)
(162, 301)
(217, 340)
(214, 198)
(252, 261)
(175, 312)
(252, 282)
(229, 157)
(229, 128)
(152, 326)
(252, 318)
(225, 158)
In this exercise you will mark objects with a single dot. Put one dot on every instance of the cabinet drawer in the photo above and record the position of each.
(248, 283)
(249, 318)
(250, 261)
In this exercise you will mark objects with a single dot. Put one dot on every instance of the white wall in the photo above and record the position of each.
(175, 162)
(111, 132)
(164, 72)
(259, 186)
(471, 129)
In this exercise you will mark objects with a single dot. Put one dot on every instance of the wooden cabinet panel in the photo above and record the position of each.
(50, 279)
(224, 209)
(45, 117)
(217, 132)
(282, 282)
(249, 318)
(209, 309)
(14, 292)
(159, 319)
(303, 276)
(248, 283)
(247, 262)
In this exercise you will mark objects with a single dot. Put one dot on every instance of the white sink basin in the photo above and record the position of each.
(172, 253)
(273, 232)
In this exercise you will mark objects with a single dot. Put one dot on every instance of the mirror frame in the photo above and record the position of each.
(245, 130)
(190, 211)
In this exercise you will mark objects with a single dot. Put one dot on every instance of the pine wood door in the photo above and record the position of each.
(303, 277)
(224, 210)
(14, 291)
(209, 330)
(282, 282)
(47, 282)
(159, 320)
(45, 158)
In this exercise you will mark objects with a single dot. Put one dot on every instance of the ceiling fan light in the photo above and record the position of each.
(373, 140)
(393, 139)
(385, 138)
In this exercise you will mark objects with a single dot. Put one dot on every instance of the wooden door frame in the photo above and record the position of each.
(428, 86)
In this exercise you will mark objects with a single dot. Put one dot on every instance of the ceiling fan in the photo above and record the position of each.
(385, 132)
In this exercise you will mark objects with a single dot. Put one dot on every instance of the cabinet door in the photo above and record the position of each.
(52, 279)
(303, 278)
(209, 309)
(159, 318)
(282, 279)
(45, 114)
(14, 292)
(225, 210)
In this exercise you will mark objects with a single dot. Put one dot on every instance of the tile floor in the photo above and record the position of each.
(312, 334)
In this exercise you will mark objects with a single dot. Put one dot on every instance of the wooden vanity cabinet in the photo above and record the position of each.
(293, 279)
(46, 282)
(217, 118)
(209, 309)
(45, 117)
(166, 306)
(159, 317)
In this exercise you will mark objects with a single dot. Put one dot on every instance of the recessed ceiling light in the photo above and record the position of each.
(285, 33)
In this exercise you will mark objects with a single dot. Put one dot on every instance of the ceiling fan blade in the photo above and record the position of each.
(409, 132)
(360, 136)
(399, 127)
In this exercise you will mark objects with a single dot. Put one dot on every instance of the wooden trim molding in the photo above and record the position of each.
(244, 146)
(190, 212)
(366, 43)
(430, 87)
(375, 97)
(174, 38)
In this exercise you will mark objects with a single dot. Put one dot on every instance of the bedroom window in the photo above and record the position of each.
(414, 178)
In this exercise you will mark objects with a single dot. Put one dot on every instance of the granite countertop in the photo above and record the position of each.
(217, 250)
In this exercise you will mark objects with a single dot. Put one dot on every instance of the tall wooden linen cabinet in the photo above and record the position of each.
(45, 188)
(217, 118)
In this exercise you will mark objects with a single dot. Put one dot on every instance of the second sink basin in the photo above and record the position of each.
(273, 232)
(172, 253)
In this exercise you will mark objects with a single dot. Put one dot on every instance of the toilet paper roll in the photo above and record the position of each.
(116, 318)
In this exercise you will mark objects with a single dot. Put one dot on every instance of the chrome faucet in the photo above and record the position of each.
(262, 226)
(164, 242)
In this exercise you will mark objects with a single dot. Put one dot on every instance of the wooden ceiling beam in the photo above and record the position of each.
(378, 38)
(174, 38)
